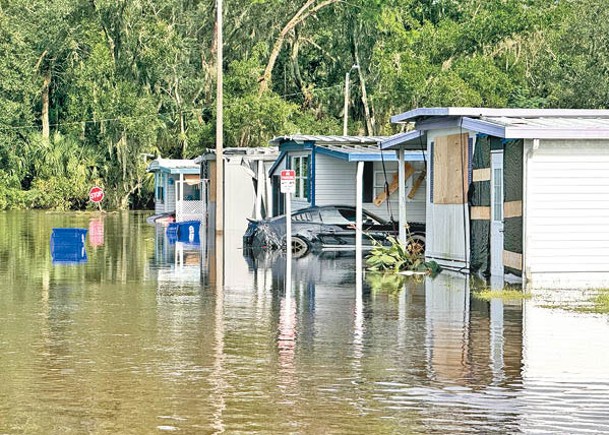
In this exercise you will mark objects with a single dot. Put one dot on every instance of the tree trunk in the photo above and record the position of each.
(303, 13)
(367, 113)
(46, 128)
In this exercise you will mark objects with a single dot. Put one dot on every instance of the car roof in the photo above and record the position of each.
(322, 207)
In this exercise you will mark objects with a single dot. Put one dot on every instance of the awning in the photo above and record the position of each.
(191, 179)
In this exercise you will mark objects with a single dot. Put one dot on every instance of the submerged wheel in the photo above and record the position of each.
(300, 247)
(416, 244)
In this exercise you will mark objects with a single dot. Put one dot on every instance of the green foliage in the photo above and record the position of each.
(58, 193)
(397, 257)
(504, 294)
(128, 79)
(380, 282)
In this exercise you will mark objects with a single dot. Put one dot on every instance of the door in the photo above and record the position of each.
(497, 213)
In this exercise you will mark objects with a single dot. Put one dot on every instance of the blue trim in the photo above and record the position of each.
(287, 147)
(278, 161)
(333, 153)
(388, 156)
(312, 167)
(174, 171)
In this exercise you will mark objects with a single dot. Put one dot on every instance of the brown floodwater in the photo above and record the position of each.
(139, 334)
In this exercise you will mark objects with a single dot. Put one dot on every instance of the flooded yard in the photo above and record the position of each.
(146, 334)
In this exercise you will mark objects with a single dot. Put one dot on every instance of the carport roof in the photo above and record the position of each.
(348, 148)
(320, 139)
(540, 128)
(480, 112)
(511, 123)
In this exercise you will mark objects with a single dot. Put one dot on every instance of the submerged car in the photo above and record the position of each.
(326, 228)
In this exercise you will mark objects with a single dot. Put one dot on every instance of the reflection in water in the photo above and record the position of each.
(149, 335)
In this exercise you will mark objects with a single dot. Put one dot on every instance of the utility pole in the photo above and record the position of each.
(219, 127)
(346, 108)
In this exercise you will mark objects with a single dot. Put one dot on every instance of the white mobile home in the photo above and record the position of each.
(326, 168)
(518, 191)
(246, 185)
(177, 189)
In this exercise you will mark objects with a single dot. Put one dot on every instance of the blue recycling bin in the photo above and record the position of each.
(188, 232)
(185, 232)
(68, 245)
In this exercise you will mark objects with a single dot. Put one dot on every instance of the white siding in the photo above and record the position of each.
(335, 184)
(447, 225)
(567, 213)
(334, 181)
(240, 196)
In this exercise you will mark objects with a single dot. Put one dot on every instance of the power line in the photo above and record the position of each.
(94, 121)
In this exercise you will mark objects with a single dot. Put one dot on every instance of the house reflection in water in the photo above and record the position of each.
(438, 331)
(175, 261)
(470, 340)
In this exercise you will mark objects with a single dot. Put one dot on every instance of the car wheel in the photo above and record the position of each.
(300, 247)
(416, 244)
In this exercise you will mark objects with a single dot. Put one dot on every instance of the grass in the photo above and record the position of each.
(596, 303)
(504, 294)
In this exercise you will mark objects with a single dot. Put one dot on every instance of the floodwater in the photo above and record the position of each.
(140, 335)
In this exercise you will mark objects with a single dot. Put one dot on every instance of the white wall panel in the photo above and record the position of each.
(567, 209)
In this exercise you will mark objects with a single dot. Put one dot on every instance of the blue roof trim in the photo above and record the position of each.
(357, 156)
(287, 147)
(185, 171)
(333, 153)
(173, 171)
(278, 161)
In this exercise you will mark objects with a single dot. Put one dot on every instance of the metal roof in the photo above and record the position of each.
(364, 153)
(414, 140)
(479, 112)
(540, 128)
(173, 166)
(255, 153)
(302, 138)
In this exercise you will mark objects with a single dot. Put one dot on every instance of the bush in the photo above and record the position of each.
(59, 193)
(11, 195)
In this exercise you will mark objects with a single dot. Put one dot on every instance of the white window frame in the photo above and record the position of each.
(302, 176)
(380, 187)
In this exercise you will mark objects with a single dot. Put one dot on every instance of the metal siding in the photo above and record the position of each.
(334, 181)
(567, 212)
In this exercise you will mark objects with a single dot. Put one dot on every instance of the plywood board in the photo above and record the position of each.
(480, 213)
(451, 157)
(481, 174)
(512, 259)
(512, 209)
(382, 197)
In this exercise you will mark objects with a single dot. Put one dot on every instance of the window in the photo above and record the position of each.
(306, 216)
(498, 195)
(160, 188)
(300, 164)
(379, 181)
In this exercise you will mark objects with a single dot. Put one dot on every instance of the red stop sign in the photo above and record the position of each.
(96, 194)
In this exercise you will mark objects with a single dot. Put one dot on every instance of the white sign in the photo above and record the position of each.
(288, 181)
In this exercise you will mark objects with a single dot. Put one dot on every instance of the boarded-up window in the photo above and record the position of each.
(450, 169)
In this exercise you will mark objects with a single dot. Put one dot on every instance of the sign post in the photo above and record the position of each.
(288, 186)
